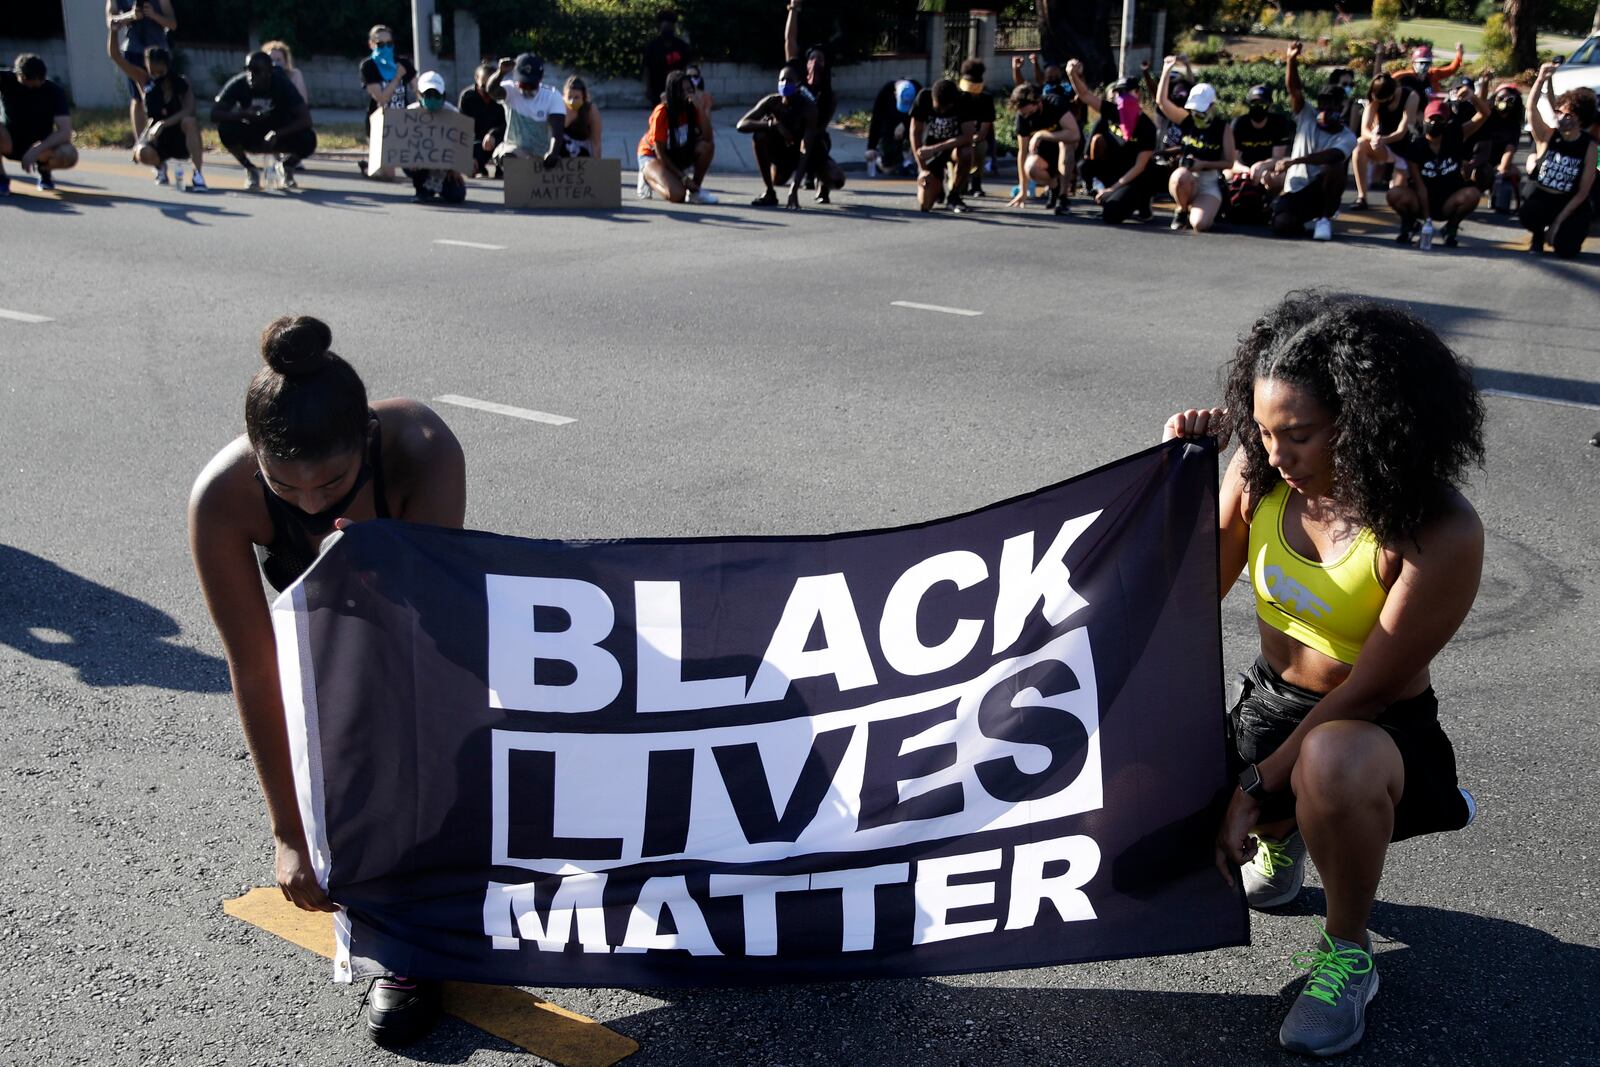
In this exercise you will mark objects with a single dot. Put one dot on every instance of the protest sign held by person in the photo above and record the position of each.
(443, 183)
(388, 80)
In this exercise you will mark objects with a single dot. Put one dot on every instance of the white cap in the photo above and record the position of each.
(1201, 97)
(430, 79)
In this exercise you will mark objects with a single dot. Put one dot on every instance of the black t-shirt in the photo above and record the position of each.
(488, 115)
(1048, 117)
(371, 76)
(977, 107)
(1561, 167)
(162, 101)
(1254, 144)
(662, 56)
(1125, 145)
(279, 99)
(1202, 143)
(1504, 125)
(1440, 170)
(937, 126)
(794, 117)
(30, 114)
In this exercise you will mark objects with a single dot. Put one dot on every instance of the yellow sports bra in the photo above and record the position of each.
(1330, 607)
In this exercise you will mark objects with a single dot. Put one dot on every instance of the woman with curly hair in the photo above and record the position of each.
(1356, 425)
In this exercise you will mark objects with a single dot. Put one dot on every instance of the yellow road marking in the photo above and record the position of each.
(538, 1026)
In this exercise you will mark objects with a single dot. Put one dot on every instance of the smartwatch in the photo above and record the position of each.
(1250, 782)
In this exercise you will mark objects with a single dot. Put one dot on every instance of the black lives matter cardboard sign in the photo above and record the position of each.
(570, 183)
(437, 140)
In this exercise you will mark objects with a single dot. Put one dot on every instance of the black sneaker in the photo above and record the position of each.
(1450, 235)
(1404, 236)
(956, 205)
(766, 199)
(976, 189)
(1595, 440)
(1145, 213)
(1063, 207)
(822, 194)
(1051, 200)
(1536, 243)
(401, 1010)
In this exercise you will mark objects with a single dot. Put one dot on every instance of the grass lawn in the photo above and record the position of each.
(107, 127)
(1444, 34)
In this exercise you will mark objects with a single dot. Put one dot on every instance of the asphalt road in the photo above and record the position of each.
(730, 371)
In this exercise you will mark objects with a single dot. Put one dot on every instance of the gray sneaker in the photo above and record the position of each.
(1276, 872)
(1330, 1014)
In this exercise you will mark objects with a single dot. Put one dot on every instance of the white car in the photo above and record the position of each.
(1580, 69)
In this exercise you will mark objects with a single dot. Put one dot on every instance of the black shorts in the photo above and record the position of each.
(1439, 192)
(937, 164)
(1269, 709)
(171, 143)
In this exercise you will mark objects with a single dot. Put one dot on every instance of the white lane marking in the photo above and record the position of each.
(23, 316)
(1509, 395)
(470, 244)
(504, 409)
(932, 307)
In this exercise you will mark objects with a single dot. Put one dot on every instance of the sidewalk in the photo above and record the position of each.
(621, 129)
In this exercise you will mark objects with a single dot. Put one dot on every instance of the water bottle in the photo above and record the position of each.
(1427, 236)
(1500, 197)
(872, 168)
(177, 176)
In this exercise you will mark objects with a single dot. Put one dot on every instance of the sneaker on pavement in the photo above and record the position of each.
(45, 182)
(401, 1010)
(1322, 230)
(252, 180)
(641, 188)
(1330, 1014)
(1276, 872)
(286, 176)
(1180, 219)
(198, 182)
(161, 175)
(956, 205)
(700, 196)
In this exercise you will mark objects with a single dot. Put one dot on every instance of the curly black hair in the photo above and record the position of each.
(1408, 420)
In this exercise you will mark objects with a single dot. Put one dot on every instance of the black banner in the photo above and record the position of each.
(986, 742)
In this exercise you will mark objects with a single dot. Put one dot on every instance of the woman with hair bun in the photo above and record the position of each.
(1356, 426)
(314, 456)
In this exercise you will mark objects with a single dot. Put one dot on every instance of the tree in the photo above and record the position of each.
(1522, 16)
(1079, 29)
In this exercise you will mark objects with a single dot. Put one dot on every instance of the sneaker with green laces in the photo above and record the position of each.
(1276, 872)
(1330, 1014)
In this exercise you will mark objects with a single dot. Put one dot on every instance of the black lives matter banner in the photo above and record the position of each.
(987, 742)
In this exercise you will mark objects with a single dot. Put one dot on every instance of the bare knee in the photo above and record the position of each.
(1347, 764)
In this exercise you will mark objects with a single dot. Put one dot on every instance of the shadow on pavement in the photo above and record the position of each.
(109, 638)
(1457, 988)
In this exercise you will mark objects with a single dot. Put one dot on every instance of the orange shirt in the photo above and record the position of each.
(657, 131)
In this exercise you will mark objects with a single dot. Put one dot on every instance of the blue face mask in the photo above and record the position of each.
(433, 103)
(787, 89)
(383, 56)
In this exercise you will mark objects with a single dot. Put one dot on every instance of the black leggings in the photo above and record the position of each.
(1269, 709)
(1120, 205)
(1539, 210)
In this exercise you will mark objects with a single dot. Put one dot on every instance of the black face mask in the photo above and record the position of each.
(319, 523)
(1258, 111)
(1436, 127)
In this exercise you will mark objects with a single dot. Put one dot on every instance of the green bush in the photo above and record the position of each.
(1386, 16)
(1234, 80)
(1199, 49)
(1497, 43)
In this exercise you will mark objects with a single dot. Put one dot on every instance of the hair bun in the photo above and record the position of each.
(296, 345)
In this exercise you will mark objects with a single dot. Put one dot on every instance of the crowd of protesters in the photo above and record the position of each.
(1438, 144)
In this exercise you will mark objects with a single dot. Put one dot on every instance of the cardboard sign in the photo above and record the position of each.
(436, 140)
(571, 183)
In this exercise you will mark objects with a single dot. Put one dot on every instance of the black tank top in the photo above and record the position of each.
(294, 548)
(1389, 118)
(1561, 166)
(578, 127)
